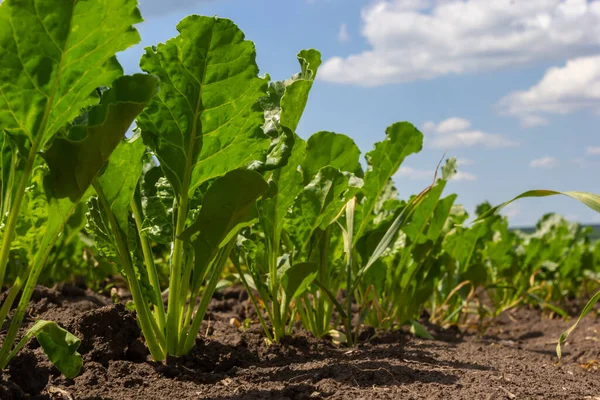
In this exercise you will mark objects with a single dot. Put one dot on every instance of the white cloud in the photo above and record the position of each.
(470, 139)
(423, 175)
(343, 35)
(511, 211)
(530, 121)
(423, 39)
(544, 162)
(454, 132)
(414, 174)
(562, 90)
(464, 161)
(593, 150)
(464, 176)
(448, 125)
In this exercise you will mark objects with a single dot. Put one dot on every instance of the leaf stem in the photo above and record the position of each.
(150, 266)
(143, 313)
(174, 310)
(15, 209)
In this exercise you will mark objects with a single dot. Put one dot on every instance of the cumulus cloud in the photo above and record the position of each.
(544, 162)
(423, 39)
(455, 133)
(562, 90)
(414, 174)
(343, 35)
(423, 175)
(511, 211)
(464, 161)
(593, 150)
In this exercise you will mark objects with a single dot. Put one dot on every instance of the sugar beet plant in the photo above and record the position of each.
(57, 134)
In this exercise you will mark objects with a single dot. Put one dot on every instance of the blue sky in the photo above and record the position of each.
(511, 88)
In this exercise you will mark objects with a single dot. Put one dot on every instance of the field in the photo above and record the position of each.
(215, 253)
(593, 235)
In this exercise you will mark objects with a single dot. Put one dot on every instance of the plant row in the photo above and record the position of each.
(215, 188)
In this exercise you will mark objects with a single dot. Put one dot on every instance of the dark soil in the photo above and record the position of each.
(515, 360)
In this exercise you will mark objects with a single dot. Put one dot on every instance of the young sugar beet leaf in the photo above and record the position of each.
(261, 251)
(68, 180)
(589, 199)
(205, 122)
(295, 221)
(70, 50)
(59, 345)
(411, 264)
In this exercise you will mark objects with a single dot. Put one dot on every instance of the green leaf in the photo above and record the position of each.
(286, 100)
(107, 123)
(55, 53)
(59, 345)
(330, 149)
(206, 120)
(157, 202)
(296, 279)
(120, 178)
(449, 169)
(288, 181)
(99, 227)
(320, 203)
(31, 225)
(402, 139)
(419, 330)
(589, 199)
(229, 205)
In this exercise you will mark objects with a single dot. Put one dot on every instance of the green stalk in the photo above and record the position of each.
(195, 294)
(174, 310)
(349, 241)
(159, 309)
(10, 298)
(217, 268)
(15, 324)
(15, 209)
(141, 306)
(254, 301)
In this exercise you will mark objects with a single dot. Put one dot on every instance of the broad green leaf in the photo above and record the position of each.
(280, 150)
(59, 345)
(416, 226)
(391, 233)
(286, 100)
(206, 120)
(296, 279)
(589, 199)
(119, 179)
(330, 149)
(157, 202)
(320, 203)
(55, 53)
(229, 205)
(99, 226)
(288, 181)
(419, 330)
(402, 139)
(107, 123)
(31, 225)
